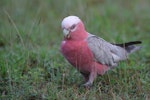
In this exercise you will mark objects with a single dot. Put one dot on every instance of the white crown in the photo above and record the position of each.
(69, 21)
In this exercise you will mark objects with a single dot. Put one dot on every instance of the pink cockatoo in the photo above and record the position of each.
(89, 54)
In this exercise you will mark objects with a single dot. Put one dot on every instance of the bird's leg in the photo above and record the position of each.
(92, 76)
(86, 76)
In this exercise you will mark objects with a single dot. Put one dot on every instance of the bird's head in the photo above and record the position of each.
(72, 27)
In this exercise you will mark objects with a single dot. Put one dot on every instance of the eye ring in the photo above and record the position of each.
(73, 26)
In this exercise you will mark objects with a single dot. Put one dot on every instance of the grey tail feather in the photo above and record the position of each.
(130, 46)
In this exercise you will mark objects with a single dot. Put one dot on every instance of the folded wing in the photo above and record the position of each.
(105, 52)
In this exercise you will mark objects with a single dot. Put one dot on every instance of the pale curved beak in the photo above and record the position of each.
(66, 33)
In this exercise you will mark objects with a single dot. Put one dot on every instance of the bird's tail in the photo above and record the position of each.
(130, 46)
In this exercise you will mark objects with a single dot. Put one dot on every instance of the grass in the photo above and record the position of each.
(32, 68)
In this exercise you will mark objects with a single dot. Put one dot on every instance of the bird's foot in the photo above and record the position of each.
(87, 84)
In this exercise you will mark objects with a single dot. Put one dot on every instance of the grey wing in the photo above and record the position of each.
(105, 52)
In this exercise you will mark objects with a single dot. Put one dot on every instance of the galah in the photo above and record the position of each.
(90, 54)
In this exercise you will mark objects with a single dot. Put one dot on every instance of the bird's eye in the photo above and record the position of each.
(73, 26)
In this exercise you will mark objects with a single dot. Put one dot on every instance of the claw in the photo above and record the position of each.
(87, 85)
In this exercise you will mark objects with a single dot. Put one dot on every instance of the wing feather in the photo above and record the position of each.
(105, 52)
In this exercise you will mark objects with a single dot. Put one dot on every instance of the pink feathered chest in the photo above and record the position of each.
(76, 52)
